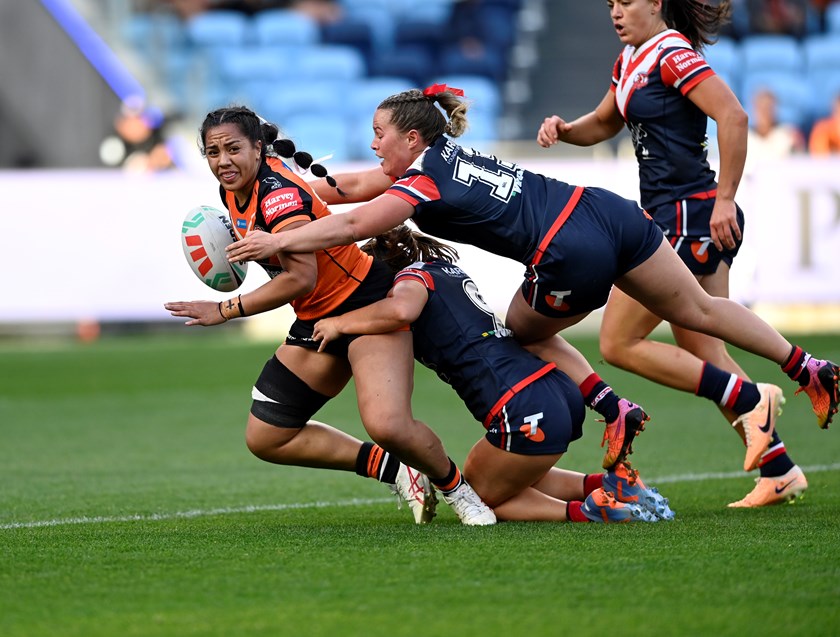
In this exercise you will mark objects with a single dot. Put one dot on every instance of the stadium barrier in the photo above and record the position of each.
(105, 245)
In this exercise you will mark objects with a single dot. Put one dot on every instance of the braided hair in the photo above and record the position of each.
(256, 129)
(698, 20)
(401, 246)
(416, 109)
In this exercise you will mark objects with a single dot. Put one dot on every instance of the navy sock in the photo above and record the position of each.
(599, 396)
(727, 390)
(796, 366)
(775, 461)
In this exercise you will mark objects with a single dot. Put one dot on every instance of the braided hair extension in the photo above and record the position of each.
(256, 129)
(401, 246)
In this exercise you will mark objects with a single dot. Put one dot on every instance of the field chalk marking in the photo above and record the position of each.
(200, 513)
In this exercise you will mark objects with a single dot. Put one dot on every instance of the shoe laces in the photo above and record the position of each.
(465, 501)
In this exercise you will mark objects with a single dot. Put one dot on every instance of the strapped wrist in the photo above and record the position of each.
(232, 308)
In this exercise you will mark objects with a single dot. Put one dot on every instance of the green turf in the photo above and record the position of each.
(161, 523)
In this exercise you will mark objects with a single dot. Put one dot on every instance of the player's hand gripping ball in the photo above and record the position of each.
(205, 234)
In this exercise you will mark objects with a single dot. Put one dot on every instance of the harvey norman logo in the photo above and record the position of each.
(280, 201)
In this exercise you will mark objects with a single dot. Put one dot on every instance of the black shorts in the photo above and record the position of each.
(375, 287)
(686, 226)
(603, 238)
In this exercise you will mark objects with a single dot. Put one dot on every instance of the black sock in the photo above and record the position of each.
(450, 481)
(374, 462)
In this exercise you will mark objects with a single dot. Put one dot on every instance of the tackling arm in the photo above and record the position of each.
(402, 306)
(365, 221)
(357, 187)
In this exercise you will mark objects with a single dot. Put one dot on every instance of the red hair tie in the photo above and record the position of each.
(436, 89)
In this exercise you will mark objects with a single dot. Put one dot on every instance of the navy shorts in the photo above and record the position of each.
(686, 226)
(603, 238)
(376, 285)
(541, 418)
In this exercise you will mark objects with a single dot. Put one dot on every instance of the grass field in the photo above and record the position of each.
(130, 506)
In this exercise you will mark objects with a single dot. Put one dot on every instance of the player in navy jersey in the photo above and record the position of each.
(530, 410)
(260, 191)
(574, 242)
(663, 91)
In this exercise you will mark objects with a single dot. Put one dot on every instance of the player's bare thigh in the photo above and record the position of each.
(498, 475)
(383, 368)
(667, 288)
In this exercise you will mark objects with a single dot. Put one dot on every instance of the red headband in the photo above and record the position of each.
(436, 89)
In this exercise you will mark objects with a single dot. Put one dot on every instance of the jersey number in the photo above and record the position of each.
(471, 290)
(501, 182)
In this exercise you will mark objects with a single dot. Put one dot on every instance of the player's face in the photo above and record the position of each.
(233, 159)
(391, 146)
(636, 21)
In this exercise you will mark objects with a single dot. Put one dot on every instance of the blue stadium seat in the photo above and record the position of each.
(153, 35)
(822, 52)
(352, 31)
(420, 34)
(832, 18)
(284, 27)
(281, 102)
(491, 63)
(824, 87)
(328, 62)
(770, 53)
(360, 135)
(791, 91)
(368, 93)
(724, 57)
(320, 136)
(411, 62)
(247, 63)
(436, 11)
(482, 131)
(218, 28)
(483, 95)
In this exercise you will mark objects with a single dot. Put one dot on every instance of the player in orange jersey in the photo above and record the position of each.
(261, 192)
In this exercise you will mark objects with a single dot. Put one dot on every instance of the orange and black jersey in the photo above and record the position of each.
(280, 197)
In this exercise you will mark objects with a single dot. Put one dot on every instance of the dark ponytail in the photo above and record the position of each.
(402, 246)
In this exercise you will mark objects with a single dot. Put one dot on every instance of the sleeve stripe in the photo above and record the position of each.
(416, 275)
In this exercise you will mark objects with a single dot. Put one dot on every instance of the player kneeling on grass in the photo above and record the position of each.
(530, 409)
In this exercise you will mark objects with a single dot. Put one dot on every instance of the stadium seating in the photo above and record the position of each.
(832, 18)
(320, 136)
(770, 53)
(822, 68)
(217, 29)
(292, 70)
(483, 94)
(724, 57)
(273, 27)
(791, 91)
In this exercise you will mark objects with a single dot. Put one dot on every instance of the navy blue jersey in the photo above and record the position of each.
(461, 195)
(668, 130)
(459, 338)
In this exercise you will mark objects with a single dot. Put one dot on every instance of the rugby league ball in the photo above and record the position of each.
(205, 234)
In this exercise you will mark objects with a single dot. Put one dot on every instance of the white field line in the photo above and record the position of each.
(200, 513)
